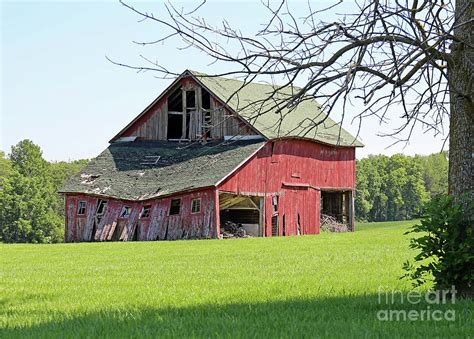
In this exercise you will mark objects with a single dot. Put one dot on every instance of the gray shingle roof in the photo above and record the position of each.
(305, 121)
(120, 172)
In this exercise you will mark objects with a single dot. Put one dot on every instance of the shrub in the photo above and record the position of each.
(445, 245)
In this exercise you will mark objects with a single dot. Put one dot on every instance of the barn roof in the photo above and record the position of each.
(128, 170)
(305, 121)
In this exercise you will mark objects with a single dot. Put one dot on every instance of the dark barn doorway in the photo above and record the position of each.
(244, 211)
(339, 205)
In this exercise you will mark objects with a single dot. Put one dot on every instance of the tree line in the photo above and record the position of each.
(31, 210)
(398, 187)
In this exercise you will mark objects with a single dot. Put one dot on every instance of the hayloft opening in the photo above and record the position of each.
(175, 125)
(205, 99)
(175, 101)
(175, 115)
(190, 100)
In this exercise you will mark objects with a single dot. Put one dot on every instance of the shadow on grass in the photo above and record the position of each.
(350, 316)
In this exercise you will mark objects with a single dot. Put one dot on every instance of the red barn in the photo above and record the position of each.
(203, 154)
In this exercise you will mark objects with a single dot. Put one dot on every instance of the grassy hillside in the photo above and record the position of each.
(322, 285)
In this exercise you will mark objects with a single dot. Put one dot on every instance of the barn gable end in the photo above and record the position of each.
(186, 111)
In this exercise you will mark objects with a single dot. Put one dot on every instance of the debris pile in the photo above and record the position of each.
(330, 224)
(232, 230)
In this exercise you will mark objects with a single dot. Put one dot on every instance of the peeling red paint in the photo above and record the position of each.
(272, 170)
(159, 226)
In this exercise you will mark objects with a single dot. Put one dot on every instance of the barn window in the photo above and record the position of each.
(196, 206)
(275, 204)
(125, 212)
(101, 207)
(175, 206)
(81, 208)
(145, 213)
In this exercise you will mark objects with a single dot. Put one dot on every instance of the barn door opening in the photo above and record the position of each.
(338, 206)
(240, 214)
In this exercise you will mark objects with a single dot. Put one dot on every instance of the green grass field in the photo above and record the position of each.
(325, 285)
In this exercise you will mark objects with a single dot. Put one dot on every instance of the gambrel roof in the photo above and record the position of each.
(124, 170)
(304, 121)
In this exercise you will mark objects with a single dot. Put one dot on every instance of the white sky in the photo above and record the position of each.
(58, 89)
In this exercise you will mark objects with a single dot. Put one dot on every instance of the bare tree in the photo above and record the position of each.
(413, 55)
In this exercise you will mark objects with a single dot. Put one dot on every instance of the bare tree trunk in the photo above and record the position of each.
(461, 146)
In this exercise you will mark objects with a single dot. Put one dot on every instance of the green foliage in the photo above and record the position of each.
(445, 245)
(325, 285)
(389, 188)
(435, 172)
(27, 159)
(5, 168)
(27, 211)
(31, 210)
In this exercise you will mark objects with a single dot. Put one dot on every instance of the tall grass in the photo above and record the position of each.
(324, 285)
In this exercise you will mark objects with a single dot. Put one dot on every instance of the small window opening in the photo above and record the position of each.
(125, 212)
(275, 204)
(145, 213)
(101, 207)
(175, 206)
(81, 208)
(196, 206)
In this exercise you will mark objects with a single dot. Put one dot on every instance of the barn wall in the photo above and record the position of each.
(159, 226)
(295, 171)
(153, 125)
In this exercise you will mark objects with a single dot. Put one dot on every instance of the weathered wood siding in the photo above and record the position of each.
(153, 125)
(159, 226)
(295, 171)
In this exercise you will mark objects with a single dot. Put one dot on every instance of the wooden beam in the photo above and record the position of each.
(183, 101)
(351, 210)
